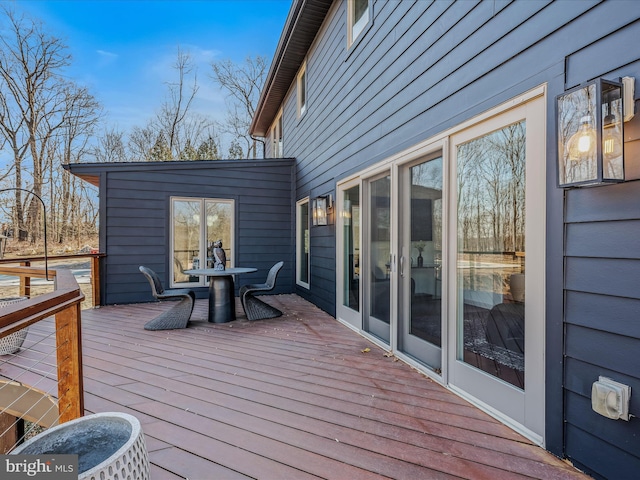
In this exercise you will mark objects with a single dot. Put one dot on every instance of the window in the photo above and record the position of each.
(302, 90)
(358, 18)
(302, 242)
(277, 138)
(195, 224)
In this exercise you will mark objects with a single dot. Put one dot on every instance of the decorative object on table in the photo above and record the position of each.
(177, 316)
(254, 308)
(420, 246)
(12, 342)
(219, 257)
(109, 446)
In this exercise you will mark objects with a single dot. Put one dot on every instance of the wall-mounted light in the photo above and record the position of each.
(320, 209)
(590, 121)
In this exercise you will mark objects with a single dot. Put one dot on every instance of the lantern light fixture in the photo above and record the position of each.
(320, 209)
(590, 122)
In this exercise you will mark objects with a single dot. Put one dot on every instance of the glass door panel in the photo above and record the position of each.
(498, 198)
(491, 252)
(351, 248)
(379, 237)
(219, 227)
(421, 261)
(186, 239)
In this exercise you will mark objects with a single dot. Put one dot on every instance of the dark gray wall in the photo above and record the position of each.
(602, 317)
(426, 66)
(135, 218)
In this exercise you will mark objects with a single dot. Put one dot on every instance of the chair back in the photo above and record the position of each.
(273, 273)
(154, 280)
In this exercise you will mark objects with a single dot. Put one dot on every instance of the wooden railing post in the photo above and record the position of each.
(25, 282)
(69, 355)
(95, 280)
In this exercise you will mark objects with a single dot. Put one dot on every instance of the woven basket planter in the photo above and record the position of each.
(12, 342)
(109, 446)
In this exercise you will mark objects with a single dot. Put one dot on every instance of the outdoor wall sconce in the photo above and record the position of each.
(320, 209)
(590, 121)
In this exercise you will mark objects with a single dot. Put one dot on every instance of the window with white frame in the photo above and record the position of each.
(302, 242)
(277, 137)
(358, 15)
(195, 224)
(302, 90)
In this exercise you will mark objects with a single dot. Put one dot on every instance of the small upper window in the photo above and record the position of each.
(302, 90)
(358, 16)
(277, 145)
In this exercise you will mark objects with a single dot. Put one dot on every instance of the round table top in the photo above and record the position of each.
(210, 272)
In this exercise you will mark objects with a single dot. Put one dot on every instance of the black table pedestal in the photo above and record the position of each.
(222, 302)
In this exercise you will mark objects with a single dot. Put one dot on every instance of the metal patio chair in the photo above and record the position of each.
(178, 315)
(254, 308)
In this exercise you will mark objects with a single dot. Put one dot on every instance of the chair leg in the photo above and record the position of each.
(256, 309)
(176, 317)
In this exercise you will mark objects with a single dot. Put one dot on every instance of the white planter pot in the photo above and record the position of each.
(12, 342)
(109, 446)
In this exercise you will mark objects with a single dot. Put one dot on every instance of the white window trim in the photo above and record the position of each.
(299, 204)
(356, 29)
(300, 80)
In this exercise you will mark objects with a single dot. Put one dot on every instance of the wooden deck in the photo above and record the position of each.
(290, 398)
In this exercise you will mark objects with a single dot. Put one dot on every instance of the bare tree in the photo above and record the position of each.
(37, 105)
(175, 109)
(141, 141)
(175, 131)
(243, 83)
(110, 147)
(82, 114)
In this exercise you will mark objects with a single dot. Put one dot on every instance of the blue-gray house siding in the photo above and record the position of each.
(426, 66)
(135, 218)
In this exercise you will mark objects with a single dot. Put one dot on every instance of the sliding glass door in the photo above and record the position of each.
(195, 224)
(496, 348)
(443, 259)
(420, 231)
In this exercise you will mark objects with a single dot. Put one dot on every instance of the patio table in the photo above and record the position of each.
(222, 305)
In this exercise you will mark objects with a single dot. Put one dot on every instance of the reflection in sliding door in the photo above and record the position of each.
(491, 240)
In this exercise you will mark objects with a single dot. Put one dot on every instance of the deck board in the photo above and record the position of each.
(288, 398)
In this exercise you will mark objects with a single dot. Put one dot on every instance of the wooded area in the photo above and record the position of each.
(47, 120)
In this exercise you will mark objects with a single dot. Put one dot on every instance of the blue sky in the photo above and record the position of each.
(123, 50)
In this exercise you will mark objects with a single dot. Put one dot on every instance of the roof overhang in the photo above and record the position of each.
(303, 23)
(92, 172)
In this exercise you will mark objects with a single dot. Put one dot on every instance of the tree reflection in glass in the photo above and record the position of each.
(491, 249)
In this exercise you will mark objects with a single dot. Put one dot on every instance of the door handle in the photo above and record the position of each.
(402, 266)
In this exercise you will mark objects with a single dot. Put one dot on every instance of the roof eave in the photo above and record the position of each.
(303, 23)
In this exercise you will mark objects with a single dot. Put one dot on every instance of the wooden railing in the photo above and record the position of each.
(63, 303)
(25, 281)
